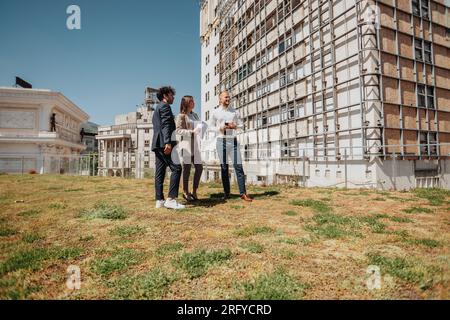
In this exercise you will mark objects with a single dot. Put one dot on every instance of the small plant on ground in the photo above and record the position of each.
(418, 210)
(316, 205)
(435, 196)
(397, 266)
(168, 248)
(253, 247)
(127, 231)
(150, 285)
(103, 210)
(198, 262)
(331, 226)
(290, 213)
(275, 286)
(7, 232)
(31, 237)
(119, 260)
(29, 213)
(253, 230)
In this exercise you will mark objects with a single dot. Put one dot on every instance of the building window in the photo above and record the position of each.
(285, 150)
(207, 96)
(241, 23)
(428, 143)
(245, 71)
(281, 47)
(284, 113)
(427, 51)
(242, 46)
(421, 95)
(206, 115)
(430, 97)
(291, 75)
(291, 111)
(425, 11)
(283, 79)
(416, 7)
(425, 96)
(146, 164)
(420, 8)
(147, 143)
(432, 140)
(418, 49)
(423, 50)
(147, 130)
(264, 120)
(146, 153)
(288, 42)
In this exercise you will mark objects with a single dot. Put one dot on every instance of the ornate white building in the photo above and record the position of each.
(125, 148)
(28, 143)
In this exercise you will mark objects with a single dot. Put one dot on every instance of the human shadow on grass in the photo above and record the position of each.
(217, 198)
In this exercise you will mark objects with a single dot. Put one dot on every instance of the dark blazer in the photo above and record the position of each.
(163, 127)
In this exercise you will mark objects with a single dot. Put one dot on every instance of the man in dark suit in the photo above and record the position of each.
(162, 145)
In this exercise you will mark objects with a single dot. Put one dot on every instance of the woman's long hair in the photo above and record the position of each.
(185, 104)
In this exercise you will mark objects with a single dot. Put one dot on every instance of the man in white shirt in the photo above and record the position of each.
(225, 121)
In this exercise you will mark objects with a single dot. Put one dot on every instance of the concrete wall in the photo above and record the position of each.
(407, 174)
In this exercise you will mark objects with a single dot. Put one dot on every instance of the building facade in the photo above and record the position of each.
(89, 140)
(333, 93)
(29, 142)
(124, 148)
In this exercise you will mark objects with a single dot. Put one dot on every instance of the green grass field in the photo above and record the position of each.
(290, 243)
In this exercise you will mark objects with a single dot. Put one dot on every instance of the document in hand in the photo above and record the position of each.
(202, 126)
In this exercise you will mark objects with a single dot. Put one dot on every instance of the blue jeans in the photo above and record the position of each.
(229, 148)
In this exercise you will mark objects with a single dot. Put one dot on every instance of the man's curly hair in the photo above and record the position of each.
(164, 90)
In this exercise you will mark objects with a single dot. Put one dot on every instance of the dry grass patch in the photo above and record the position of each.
(127, 249)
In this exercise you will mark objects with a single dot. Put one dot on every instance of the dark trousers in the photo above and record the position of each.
(162, 162)
(228, 148)
(187, 173)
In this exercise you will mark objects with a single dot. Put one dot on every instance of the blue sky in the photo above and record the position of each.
(122, 47)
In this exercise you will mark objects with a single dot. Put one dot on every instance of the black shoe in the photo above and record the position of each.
(226, 196)
(188, 197)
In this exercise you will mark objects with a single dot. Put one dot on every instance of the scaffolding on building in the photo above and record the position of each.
(320, 54)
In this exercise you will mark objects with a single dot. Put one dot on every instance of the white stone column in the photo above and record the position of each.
(122, 156)
(115, 153)
(44, 119)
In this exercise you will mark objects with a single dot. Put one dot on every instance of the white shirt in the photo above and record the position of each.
(221, 115)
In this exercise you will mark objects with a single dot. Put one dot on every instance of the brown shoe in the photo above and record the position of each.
(246, 197)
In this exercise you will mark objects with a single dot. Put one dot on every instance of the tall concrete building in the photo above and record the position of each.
(125, 148)
(333, 93)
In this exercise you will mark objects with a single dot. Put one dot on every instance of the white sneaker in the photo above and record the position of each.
(173, 204)
(159, 204)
